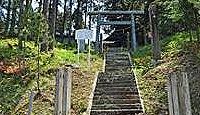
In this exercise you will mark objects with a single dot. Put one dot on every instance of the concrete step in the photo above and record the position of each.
(116, 112)
(115, 101)
(117, 106)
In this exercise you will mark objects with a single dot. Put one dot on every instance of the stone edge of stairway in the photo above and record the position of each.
(134, 72)
(92, 95)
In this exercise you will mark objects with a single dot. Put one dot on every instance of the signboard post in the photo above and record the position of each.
(83, 34)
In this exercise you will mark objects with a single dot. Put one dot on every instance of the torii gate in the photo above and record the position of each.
(102, 22)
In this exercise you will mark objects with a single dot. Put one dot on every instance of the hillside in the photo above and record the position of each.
(179, 54)
(15, 86)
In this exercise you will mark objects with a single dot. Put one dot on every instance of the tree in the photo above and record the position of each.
(20, 23)
(8, 17)
(64, 19)
(13, 20)
(154, 30)
(53, 21)
(45, 9)
(78, 16)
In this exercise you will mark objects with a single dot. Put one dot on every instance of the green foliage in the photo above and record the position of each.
(153, 79)
(11, 89)
(14, 89)
(175, 43)
(36, 26)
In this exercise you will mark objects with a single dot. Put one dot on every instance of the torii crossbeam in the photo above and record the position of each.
(132, 22)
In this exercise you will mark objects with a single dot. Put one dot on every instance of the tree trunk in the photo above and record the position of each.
(13, 20)
(8, 17)
(20, 24)
(70, 11)
(53, 22)
(40, 5)
(64, 19)
(45, 9)
(45, 44)
(154, 31)
(197, 24)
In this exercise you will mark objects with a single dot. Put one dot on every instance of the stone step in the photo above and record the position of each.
(118, 70)
(118, 82)
(112, 61)
(110, 74)
(116, 112)
(130, 84)
(116, 91)
(123, 65)
(112, 97)
(117, 53)
(115, 80)
(124, 68)
(117, 57)
(114, 50)
(109, 89)
(115, 101)
(104, 92)
(117, 106)
(115, 77)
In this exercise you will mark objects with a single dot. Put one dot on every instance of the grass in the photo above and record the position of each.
(15, 86)
(153, 80)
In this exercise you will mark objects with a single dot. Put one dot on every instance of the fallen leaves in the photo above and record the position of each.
(9, 69)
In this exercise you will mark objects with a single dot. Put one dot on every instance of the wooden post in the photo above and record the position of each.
(67, 84)
(31, 102)
(187, 94)
(133, 40)
(184, 95)
(63, 92)
(179, 95)
(60, 92)
(57, 93)
(170, 98)
(173, 95)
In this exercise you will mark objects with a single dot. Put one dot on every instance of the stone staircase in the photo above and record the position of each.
(116, 91)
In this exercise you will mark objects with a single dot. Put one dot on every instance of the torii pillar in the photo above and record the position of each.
(97, 33)
(133, 33)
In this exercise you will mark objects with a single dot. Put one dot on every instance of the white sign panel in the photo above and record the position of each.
(84, 34)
